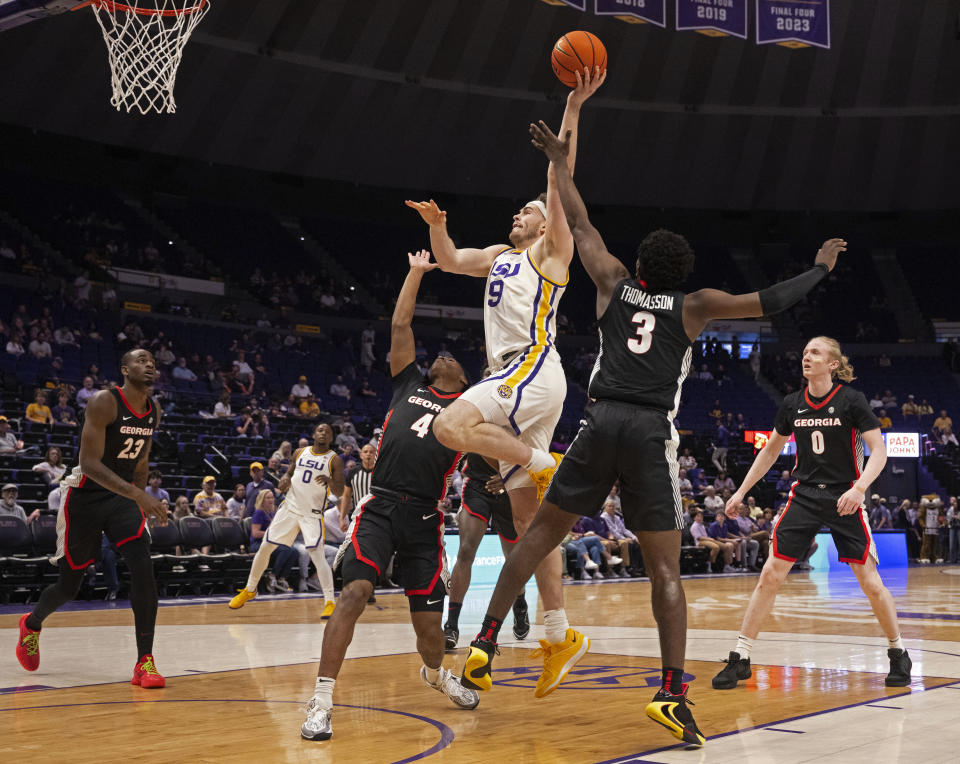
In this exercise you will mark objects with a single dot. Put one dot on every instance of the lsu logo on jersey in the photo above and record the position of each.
(504, 391)
(505, 270)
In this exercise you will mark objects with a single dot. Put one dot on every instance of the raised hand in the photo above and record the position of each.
(432, 215)
(421, 261)
(829, 251)
(587, 84)
(543, 138)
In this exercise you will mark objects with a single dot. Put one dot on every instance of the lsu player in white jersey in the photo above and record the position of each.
(315, 473)
(510, 416)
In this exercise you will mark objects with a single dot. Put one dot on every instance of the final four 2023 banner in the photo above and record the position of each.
(794, 23)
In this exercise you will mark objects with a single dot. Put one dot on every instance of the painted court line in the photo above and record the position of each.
(632, 758)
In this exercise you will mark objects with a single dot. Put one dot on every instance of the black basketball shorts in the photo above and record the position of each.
(636, 445)
(808, 509)
(84, 516)
(493, 509)
(411, 528)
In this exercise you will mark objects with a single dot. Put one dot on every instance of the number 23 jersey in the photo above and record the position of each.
(125, 440)
(410, 459)
(828, 433)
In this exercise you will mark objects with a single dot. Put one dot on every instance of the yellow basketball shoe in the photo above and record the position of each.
(328, 608)
(542, 478)
(242, 598)
(558, 659)
(671, 712)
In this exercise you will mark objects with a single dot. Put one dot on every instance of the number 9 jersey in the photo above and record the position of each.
(125, 439)
(410, 459)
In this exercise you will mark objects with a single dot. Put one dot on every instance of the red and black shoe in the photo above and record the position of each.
(145, 674)
(671, 711)
(28, 648)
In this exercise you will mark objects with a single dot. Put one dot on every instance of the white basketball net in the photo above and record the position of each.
(145, 40)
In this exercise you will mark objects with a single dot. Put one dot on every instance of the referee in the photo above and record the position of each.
(358, 485)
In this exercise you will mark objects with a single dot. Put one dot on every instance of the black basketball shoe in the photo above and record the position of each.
(450, 637)
(521, 618)
(737, 668)
(476, 669)
(671, 711)
(900, 665)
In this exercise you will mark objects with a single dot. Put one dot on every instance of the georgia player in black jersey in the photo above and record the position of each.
(104, 494)
(647, 327)
(830, 422)
(400, 515)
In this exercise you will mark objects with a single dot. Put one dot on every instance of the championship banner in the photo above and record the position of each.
(634, 11)
(580, 5)
(794, 23)
(714, 18)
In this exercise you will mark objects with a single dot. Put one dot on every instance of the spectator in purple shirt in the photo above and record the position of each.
(718, 531)
(715, 546)
(585, 531)
(629, 547)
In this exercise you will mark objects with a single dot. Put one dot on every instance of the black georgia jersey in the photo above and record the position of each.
(410, 459)
(644, 353)
(476, 469)
(828, 432)
(124, 441)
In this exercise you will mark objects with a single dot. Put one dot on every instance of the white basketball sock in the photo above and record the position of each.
(260, 562)
(556, 625)
(324, 573)
(432, 674)
(539, 460)
(744, 646)
(323, 691)
(896, 644)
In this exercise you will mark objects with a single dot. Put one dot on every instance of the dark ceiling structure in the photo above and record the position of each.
(435, 96)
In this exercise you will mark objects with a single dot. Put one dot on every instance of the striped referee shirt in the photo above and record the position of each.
(360, 485)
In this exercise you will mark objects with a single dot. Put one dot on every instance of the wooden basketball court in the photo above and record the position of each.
(238, 682)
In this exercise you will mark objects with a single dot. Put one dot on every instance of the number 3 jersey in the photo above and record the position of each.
(410, 459)
(828, 434)
(644, 352)
(125, 439)
(306, 496)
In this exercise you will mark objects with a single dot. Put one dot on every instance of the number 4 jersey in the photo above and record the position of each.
(124, 441)
(410, 460)
(644, 353)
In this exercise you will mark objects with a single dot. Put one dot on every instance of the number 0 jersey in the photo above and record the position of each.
(828, 433)
(519, 307)
(123, 443)
(306, 496)
(410, 459)
(644, 353)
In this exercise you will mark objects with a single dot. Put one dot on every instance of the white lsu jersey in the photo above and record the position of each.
(306, 496)
(520, 307)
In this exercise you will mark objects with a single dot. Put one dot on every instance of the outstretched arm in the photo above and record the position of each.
(555, 253)
(603, 268)
(760, 467)
(707, 304)
(471, 262)
(402, 347)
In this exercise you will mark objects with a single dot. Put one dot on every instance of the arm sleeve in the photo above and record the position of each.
(787, 293)
(863, 417)
(784, 421)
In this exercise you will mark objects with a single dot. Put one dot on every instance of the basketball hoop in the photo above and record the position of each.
(145, 40)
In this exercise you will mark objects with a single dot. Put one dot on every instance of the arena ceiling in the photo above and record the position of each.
(435, 96)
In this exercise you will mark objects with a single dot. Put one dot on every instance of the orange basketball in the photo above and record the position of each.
(574, 51)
